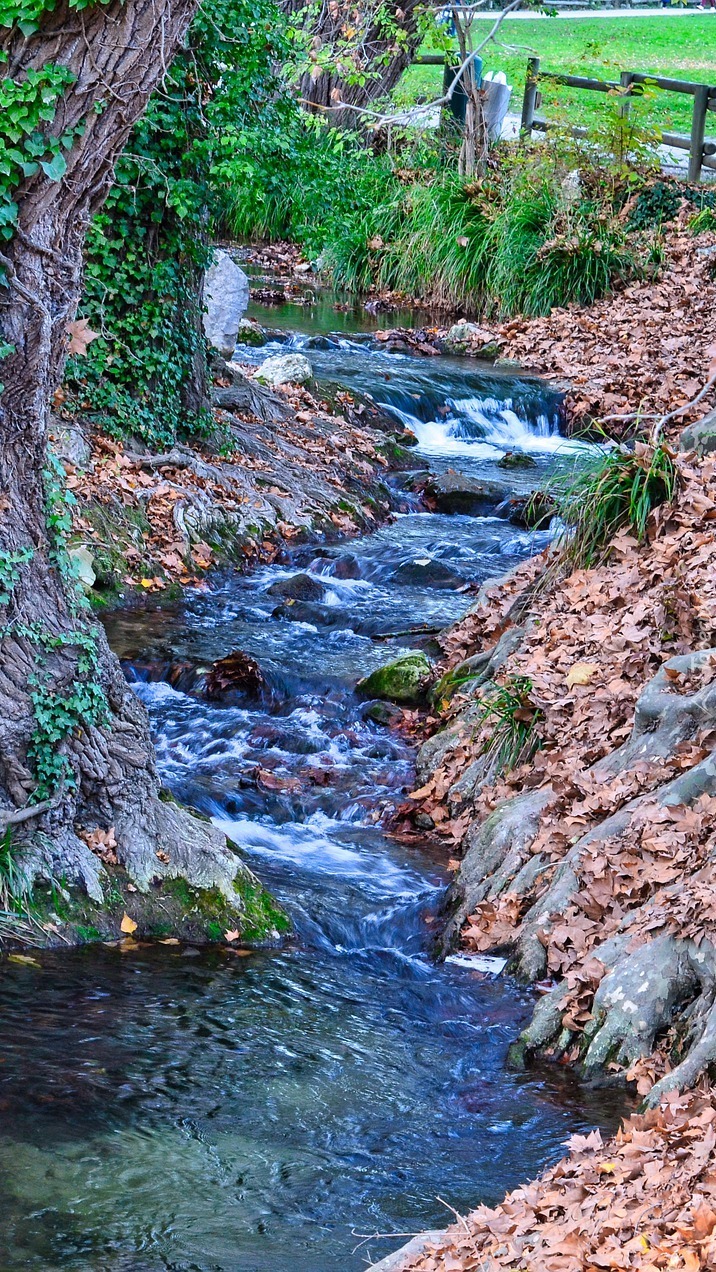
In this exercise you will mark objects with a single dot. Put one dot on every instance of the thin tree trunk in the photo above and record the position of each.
(378, 53)
(118, 52)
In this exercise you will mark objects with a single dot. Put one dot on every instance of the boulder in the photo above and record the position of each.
(226, 297)
(251, 333)
(454, 492)
(285, 368)
(300, 587)
(428, 572)
(403, 680)
(701, 436)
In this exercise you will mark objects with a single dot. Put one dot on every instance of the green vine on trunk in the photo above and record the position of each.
(25, 105)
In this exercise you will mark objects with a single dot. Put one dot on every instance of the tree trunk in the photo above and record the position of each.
(62, 692)
(376, 51)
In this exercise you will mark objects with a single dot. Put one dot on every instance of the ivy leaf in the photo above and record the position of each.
(81, 335)
(54, 168)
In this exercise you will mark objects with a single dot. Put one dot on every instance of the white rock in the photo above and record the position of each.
(285, 368)
(226, 298)
(83, 563)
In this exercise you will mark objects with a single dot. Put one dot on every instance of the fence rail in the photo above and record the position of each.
(701, 151)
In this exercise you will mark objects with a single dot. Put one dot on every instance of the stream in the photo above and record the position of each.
(215, 1111)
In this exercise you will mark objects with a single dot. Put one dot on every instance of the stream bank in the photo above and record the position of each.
(235, 1110)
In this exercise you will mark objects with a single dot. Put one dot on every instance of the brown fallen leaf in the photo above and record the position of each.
(81, 336)
(232, 936)
(127, 925)
(581, 674)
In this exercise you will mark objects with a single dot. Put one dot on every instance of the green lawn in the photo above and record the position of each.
(679, 47)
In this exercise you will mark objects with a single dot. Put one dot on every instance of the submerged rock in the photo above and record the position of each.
(226, 297)
(300, 587)
(403, 680)
(285, 368)
(346, 566)
(454, 492)
(428, 572)
(310, 612)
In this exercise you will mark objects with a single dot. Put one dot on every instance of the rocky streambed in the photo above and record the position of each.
(233, 1110)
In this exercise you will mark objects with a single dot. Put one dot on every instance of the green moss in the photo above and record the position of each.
(173, 907)
(403, 680)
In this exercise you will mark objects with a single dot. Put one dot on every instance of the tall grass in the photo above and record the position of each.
(523, 239)
(619, 491)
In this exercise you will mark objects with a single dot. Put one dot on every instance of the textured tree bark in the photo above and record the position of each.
(118, 53)
(377, 51)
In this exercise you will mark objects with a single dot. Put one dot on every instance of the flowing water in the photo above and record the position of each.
(209, 1111)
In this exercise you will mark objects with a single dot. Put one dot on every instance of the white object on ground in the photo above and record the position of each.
(226, 299)
(285, 368)
(478, 962)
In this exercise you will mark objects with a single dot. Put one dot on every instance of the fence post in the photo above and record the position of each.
(625, 104)
(530, 98)
(698, 129)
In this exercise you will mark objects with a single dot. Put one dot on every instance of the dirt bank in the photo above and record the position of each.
(274, 468)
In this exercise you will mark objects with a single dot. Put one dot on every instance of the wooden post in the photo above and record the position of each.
(625, 80)
(698, 128)
(530, 97)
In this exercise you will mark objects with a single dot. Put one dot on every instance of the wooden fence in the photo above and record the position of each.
(701, 151)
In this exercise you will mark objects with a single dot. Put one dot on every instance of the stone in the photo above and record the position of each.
(464, 337)
(428, 572)
(529, 512)
(285, 368)
(83, 566)
(226, 297)
(701, 436)
(454, 492)
(516, 459)
(300, 587)
(346, 566)
(68, 442)
(403, 680)
(310, 612)
(251, 333)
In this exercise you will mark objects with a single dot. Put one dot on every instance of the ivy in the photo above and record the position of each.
(25, 105)
(10, 563)
(26, 14)
(148, 247)
(58, 717)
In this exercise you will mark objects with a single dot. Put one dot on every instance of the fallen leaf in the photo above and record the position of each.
(81, 336)
(232, 936)
(127, 925)
(581, 674)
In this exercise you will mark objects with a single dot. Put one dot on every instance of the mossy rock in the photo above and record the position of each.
(404, 680)
(170, 907)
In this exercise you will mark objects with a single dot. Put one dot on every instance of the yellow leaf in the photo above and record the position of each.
(170, 940)
(127, 925)
(232, 936)
(23, 958)
(581, 674)
(607, 1168)
(146, 582)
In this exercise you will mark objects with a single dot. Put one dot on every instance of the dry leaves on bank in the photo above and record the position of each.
(644, 1201)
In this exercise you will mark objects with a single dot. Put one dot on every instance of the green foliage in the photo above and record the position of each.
(26, 14)
(147, 248)
(59, 716)
(25, 105)
(513, 719)
(10, 563)
(619, 491)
